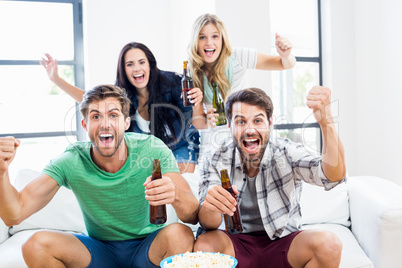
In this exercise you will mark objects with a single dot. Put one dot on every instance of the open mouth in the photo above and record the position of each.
(106, 138)
(209, 52)
(139, 78)
(251, 144)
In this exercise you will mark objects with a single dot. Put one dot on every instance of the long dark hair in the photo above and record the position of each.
(160, 118)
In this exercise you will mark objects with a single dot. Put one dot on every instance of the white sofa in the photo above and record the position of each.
(366, 214)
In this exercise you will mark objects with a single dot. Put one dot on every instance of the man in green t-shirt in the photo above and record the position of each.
(110, 176)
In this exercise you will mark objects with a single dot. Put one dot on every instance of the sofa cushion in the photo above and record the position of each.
(321, 206)
(3, 231)
(376, 213)
(10, 250)
(62, 212)
(193, 180)
(352, 253)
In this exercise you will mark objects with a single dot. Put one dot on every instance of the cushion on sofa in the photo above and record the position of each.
(62, 212)
(192, 179)
(3, 231)
(321, 206)
(352, 253)
(376, 213)
(10, 250)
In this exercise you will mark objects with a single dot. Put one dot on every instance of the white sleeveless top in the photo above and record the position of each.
(142, 123)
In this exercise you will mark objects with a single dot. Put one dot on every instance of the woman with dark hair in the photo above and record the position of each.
(156, 106)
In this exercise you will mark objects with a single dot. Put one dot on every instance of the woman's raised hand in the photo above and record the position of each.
(50, 66)
(283, 46)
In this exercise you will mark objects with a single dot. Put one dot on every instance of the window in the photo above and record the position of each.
(300, 22)
(35, 107)
(32, 108)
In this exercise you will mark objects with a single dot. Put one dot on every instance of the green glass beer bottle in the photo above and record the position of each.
(219, 105)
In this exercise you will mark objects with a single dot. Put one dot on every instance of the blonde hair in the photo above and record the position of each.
(218, 72)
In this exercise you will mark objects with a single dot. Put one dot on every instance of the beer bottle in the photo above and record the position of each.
(157, 214)
(186, 85)
(218, 104)
(233, 223)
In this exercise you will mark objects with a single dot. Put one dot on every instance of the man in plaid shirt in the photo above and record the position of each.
(267, 175)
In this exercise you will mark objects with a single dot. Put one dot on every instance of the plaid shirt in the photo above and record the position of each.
(279, 183)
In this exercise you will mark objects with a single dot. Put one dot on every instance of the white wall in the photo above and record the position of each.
(364, 71)
(164, 26)
(247, 23)
(339, 67)
(362, 60)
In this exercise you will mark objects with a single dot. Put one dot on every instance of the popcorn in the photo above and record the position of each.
(200, 260)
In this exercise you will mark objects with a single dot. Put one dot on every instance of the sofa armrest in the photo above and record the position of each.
(3, 232)
(376, 215)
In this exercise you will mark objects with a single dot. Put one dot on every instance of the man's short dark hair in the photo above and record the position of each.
(252, 96)
(102, 92)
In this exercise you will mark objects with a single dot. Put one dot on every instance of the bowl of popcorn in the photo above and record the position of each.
(200, 260)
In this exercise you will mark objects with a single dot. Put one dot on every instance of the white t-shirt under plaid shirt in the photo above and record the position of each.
(279, 183)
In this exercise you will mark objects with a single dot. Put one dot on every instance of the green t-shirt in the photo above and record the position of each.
(113, 204)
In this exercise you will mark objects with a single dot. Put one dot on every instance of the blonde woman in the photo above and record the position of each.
(212, 59)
